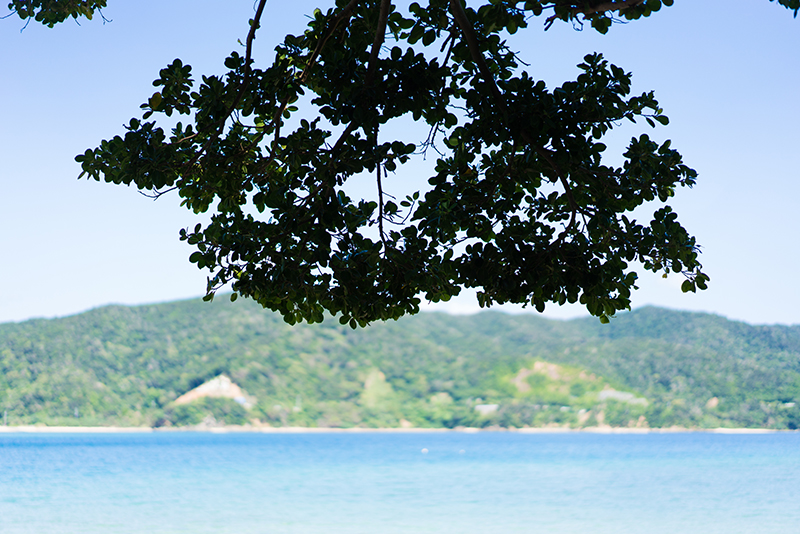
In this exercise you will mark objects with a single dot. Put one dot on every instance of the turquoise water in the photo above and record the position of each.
(384, 483)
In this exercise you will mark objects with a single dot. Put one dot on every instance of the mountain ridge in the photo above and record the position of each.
(125, 365)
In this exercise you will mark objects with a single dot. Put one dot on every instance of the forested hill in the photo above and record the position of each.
(650, 367)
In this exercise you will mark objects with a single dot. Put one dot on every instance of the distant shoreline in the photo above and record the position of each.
(40, 429)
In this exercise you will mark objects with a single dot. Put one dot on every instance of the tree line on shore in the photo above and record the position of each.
(651, 367)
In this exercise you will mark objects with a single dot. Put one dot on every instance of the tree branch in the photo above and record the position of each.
(477, 56)
(276, 123)
(251, 36)
(463, 22)
(344, 15)
(156, 194)
(380, 204)
(248, 55)
(380, 35)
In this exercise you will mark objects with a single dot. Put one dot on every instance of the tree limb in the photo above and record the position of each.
(380, 203)
(463, 22)
(380, 35)
(248, 55)
(477, 56)
(251, 36)
(345, 14)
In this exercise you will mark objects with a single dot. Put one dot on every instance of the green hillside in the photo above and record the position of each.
(651, 367)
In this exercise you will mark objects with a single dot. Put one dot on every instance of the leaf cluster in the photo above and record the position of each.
(523, 205)
(52, 12)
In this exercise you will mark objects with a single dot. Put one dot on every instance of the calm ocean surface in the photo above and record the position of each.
(383, 483)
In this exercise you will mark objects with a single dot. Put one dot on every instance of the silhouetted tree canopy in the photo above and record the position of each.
(522, 204)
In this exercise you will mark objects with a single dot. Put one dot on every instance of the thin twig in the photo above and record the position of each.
(380, 205)
(156, 194)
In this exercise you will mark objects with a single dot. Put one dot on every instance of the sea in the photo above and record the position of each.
(392, 483)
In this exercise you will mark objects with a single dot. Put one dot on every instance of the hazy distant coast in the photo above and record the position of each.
(188, 364)
(40, 429)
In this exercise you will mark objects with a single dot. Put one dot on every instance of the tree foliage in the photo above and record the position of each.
(522, 206)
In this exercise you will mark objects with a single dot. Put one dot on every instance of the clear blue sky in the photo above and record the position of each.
(726, 72)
